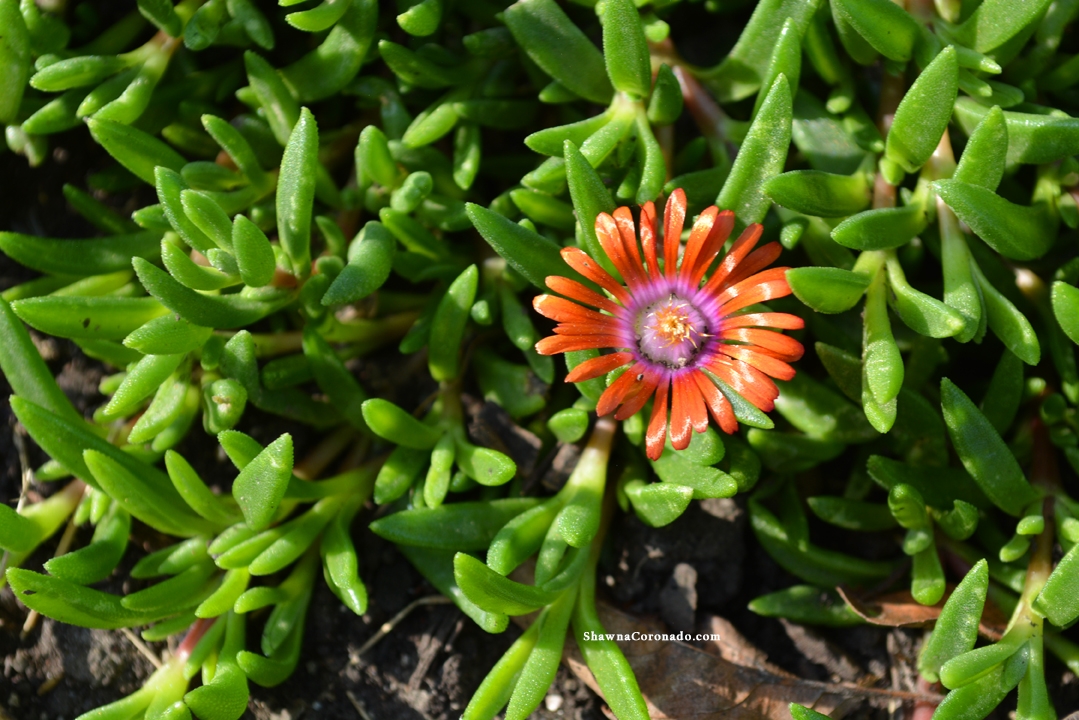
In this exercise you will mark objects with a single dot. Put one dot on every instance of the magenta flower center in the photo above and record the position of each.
(671, 331)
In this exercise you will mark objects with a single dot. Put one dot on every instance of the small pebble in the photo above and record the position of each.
(552, 702)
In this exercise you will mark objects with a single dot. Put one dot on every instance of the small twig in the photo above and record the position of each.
(24, 465)
(143, 649)
(316, 461)
(358, 705)
(27, 476)
(429, 647)
(387, 627)
(50, 683)
(928, 697)
(356, 454)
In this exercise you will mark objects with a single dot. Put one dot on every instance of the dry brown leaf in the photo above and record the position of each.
(733, 647)
(900, 609)
(680, 682)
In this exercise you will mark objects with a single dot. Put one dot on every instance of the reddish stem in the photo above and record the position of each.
(194, 634)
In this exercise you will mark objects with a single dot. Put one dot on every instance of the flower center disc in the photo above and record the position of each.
(671, 331)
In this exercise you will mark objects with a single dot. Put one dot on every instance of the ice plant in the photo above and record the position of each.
(673, 328)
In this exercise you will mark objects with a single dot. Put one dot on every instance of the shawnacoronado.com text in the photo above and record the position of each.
(590, 636)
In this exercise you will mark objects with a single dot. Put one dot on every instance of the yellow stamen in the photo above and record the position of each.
(674, 325)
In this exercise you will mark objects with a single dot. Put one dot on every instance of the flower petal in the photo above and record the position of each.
(610, 237)
(680, 420)
(778, 345)
(717, 404)
(580, 293)
(562, 310)
(648, 237)
(657, 426)
(674, 217)
(622, 387)
(623, 218)
(692, 402)
(747, 381)
(611, 328)
(721, 230)
(635, 400)
(767, 285)
(759, 259)
(765, 363)
(741, 247)
(571, 343)
(697, 237)
(580, 261)
(595, 367)
(698, 413)
(780, 321)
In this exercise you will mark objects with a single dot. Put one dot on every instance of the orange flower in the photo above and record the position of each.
(669, 326)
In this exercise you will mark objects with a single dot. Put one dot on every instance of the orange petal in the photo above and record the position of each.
(680, 420)
(623, 217)
(780, 346)
(580, 261)
(697, 238)
(747, 381)
(717, 404)
(580, 293)
(657, 426)
(741, 247)
(609, 328)
(648, 237)
(616, 392)
(636, 399)
(765, 363)
(674, 217)
(595, 367)
(610, 237)
(780, 321)
(562, 310)
(763, 286)
(571, 343)
(698, 413)
(759, 259)
(721, 230)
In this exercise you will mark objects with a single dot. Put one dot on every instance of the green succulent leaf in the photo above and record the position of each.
(67, 602)
(924, 112)
(827, 290)
(887, 27)
(1065, 299)
(558, 46)
(464, 526)
(813, 192)
(261, 485)
(1018, 232)
(761, 156)
(985, 156)
(625, 49)
(995, 22)
(81, 258)
(881, 228)
(495, 593)
(983, 452)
